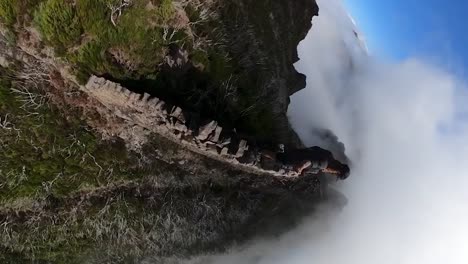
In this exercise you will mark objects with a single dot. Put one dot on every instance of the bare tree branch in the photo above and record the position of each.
(117, 9)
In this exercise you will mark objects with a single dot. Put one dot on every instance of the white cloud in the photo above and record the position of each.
(407, 201)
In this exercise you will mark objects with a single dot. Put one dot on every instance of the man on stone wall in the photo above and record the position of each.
(311, 160)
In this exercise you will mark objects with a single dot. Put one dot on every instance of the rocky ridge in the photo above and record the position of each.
(172, 122)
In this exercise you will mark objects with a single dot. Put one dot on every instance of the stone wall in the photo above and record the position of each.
(156, 116)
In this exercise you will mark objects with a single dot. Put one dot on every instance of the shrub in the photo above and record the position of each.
(165, 10)
(88, 59)
(91, 59)
(94, 16)
(8, 12)
(58, 22)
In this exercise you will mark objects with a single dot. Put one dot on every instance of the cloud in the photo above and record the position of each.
(405, 129)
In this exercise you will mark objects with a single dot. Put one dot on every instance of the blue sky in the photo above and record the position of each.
(435, 30)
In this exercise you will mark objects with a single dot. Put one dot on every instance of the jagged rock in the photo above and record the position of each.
(161, 109)
(205, 131)
(224, 151)
(100, 81)
(126, 92)
(132, 98)
(95, 82)
(179, 126)
(153, 102)
(160, 105)
(210, 137)
(217, 134)
(210, 146)
(179, 134)
(118, 89)
(111, 86)
(178, 113)
(224, 143)
(145, 98)
(242, 148)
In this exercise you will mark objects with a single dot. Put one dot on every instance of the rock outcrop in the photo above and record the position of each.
(205, 137)
(170, 121)
(265, 35)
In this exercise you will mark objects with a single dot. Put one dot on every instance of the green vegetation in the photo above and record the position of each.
(59, 24)
(132, 49)
(68, 197)
(165, 11)
(45, 158)
(12, 11)
(136, 50)
(43, 154)
(7, 12)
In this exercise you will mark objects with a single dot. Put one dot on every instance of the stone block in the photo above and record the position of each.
(225, 142)
(205, 131)
(216, 135)
(160, 105)
(176, 112)
(93, 83)
(100, 81)
(110, 86)
(180, 127)
(118, 88)
(153, 102)
(224, 152)
(242, 148)
(145, 97)
(209, 146)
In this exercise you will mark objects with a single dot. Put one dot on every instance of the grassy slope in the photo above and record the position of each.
(40, 146)
(134, 50)
(64, 193)
(67, 197)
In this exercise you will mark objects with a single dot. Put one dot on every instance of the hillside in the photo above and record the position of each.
(87, 179)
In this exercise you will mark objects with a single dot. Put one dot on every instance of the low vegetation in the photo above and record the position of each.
(17, 12)
(139, 41)
(8, 12)
(66, 196)
(59, 23)
(44, 154)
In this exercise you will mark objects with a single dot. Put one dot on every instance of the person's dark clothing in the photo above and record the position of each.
(295, 156)
(320, 159)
